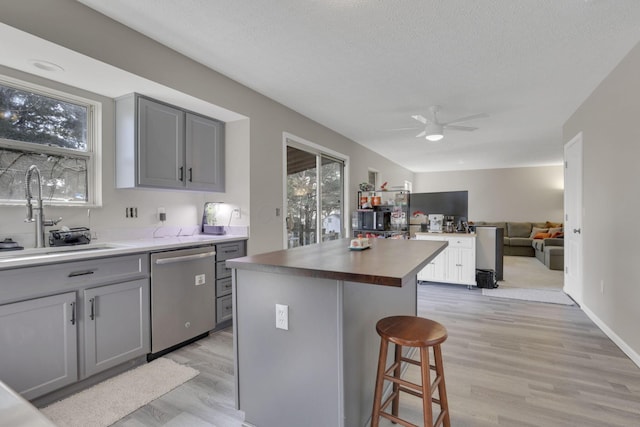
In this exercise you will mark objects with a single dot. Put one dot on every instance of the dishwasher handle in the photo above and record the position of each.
(184, 258)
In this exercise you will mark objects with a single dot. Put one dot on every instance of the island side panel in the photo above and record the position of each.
(288, 377)
(364, 305)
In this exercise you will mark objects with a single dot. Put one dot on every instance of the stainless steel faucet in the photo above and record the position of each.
(39, 219)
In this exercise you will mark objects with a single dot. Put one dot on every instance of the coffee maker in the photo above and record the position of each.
(449, 226)
(435, 223)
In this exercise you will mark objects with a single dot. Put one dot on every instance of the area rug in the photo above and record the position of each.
(113, 399)
(553, 296)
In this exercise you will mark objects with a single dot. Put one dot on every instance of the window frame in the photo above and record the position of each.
(93, 154)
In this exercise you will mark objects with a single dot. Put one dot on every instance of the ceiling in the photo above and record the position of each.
(364, 67)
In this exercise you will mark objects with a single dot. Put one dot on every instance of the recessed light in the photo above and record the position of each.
(46, 65)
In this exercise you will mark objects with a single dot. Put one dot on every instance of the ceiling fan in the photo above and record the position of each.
(434, 130)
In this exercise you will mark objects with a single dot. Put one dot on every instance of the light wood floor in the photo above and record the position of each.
(507, 363)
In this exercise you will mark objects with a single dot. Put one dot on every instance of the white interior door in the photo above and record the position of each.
(573, 218)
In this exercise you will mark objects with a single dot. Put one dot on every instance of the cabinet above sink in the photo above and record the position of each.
(159, 145)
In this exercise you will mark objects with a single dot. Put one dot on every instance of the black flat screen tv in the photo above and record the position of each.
(454, 203)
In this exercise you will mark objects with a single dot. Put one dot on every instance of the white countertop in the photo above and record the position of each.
(99, 249)
(426, 233)
(15, 411)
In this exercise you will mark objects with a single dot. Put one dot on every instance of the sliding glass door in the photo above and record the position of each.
(315, 189)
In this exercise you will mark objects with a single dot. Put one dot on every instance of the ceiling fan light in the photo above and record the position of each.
(434, 132)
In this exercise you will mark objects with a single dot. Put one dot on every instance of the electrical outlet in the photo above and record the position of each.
(131, 212)
(200, 279)
(282, 317)
(162, 215)
(236, 213)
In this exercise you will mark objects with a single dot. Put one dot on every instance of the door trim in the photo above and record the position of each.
(577, 289)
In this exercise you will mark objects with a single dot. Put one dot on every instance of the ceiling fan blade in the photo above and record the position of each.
(464, 119)
(457, 127)
(397, 129)
(420, 118)
(421, 134)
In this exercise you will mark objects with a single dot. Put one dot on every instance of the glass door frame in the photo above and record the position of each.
(289, 139)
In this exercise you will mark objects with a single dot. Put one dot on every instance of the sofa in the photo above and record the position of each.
(533, 239)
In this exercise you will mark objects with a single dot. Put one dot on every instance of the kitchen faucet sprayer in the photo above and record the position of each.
(39, 219)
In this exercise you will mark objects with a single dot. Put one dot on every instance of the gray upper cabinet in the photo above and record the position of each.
(38, 344)
(162, 146)
(206, 143)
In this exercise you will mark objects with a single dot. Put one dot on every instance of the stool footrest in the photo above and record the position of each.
(402, 382)
(440, 418)
(397, 420)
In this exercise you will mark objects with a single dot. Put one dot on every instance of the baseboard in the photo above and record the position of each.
(634, 356)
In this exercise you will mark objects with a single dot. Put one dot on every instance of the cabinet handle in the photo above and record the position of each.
(92, 313)
(181, 169)
(190, 174)
(73, 313)
(80, 273)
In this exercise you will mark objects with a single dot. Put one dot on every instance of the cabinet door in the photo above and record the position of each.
(468, 269)
(454, 265)
(461, 266)
(116, 324)
(436, 270)
(38, 344)
(205, 153)
(160, 145)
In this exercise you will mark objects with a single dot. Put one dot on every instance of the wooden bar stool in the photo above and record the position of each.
(411, 331)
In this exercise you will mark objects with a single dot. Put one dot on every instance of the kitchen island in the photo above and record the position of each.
(321, 370)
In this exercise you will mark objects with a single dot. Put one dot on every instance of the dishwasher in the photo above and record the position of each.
(183, 297)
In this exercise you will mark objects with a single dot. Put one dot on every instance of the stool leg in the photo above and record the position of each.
(396, 387)
(377, 397)
(442, 390)
(426, 387)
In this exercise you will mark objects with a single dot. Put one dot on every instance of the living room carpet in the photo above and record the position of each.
(107, 402)
(528, 272)
(553, 296)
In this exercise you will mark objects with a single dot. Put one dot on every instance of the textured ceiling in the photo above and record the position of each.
(363, 67)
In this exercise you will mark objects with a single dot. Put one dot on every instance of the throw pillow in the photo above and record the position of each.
(537, 230)
(555, 230)
(542, 236)
(550, 224)
(558, 235)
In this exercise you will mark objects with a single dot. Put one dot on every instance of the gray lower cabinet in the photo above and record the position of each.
(224, 299)
(116, 324)
(65, 322)
(38, 344)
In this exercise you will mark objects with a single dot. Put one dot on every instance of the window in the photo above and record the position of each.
(373, 178)
(315, 194)
(55, 131)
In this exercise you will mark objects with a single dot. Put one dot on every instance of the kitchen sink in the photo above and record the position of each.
(37, 253)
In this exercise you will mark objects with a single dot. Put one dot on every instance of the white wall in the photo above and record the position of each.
(608, 120)
(514, 194)
(259, 164)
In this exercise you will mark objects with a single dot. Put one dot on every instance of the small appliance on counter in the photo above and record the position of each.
(435, 223)
(70, 236)
(209, 219)
(9, 245)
